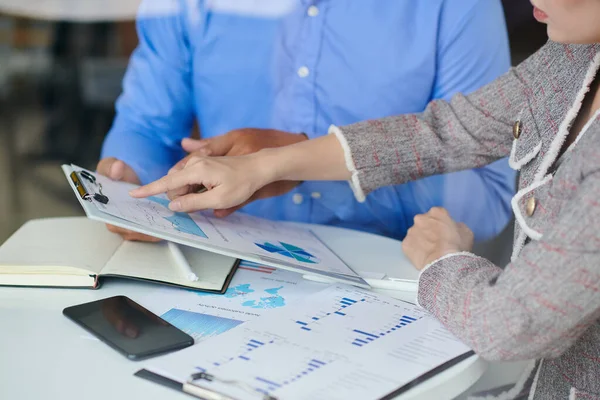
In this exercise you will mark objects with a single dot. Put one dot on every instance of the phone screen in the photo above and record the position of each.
(128, 327)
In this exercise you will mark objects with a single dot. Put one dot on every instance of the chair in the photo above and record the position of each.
(24, 68)
(11, 197)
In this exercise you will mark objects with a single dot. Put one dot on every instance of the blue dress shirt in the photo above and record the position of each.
(300, 66)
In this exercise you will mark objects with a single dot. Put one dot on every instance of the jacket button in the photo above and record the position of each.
(530, 206)
(517, 127)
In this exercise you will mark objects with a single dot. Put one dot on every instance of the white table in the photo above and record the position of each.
(43, 355)
(73, 10)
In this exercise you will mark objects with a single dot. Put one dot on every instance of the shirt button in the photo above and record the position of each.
(315, 195)
(313, 11)
(297, 198)
(530, 207)
(517, 127)
(303, 72)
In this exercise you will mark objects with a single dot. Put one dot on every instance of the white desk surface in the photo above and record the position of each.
(43, 355)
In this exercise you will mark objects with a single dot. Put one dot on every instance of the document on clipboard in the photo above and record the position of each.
(273, 243)
(342, 343)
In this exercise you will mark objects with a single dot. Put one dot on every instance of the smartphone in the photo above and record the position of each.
(128, 327)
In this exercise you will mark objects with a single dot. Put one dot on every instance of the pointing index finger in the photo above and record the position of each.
(151, 189)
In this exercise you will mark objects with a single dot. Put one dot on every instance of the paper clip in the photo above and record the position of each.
(191, 387)
(83, 192)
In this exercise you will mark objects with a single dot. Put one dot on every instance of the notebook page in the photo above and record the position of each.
(60, 245)
(155, 261)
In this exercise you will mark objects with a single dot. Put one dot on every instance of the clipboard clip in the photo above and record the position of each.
(82, 190)
(192, 387)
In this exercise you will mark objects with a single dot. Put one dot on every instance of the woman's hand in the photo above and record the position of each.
(238, 142)
(231, 182)
(234, 181)
(271, 190)
(435, 235)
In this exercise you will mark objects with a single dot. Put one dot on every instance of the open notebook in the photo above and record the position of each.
(79, 252)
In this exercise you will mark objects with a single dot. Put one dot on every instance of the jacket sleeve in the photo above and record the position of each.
(467, 132)
(540, 304)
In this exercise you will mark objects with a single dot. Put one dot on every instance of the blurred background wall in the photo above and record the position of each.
(61, 65)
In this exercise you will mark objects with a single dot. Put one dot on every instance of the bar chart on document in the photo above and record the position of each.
(341, 343)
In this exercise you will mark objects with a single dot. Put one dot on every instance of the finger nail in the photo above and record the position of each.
(175, 206)
(130, 332)
(111, 171)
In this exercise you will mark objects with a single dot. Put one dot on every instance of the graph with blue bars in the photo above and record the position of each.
(311, 366)
(246, 352)
(339, 310)
(294, 350)
(364, 338)
(360, 336)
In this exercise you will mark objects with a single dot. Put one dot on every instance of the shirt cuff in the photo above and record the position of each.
(460, 253)
(354, 181)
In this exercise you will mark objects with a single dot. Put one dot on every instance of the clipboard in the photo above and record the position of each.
(194, 388)
(76, 178)
(338, 335)
(92, 196)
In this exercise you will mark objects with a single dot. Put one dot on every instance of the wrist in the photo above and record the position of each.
(268, 165)
(439, 255)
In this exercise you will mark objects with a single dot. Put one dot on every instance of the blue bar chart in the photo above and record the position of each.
(339, 308)
(342, 344)
(364, 338)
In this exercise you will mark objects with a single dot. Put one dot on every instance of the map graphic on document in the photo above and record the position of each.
(255, 289)
(273, 300)
(182, 222)
(258, 293)
(269, 297)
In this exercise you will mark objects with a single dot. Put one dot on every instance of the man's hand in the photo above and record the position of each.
(238, 143)
(117, 170)
(435, 235)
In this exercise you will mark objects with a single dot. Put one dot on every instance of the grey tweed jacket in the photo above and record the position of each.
(545, 305)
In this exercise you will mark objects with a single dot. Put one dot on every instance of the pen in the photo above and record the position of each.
(386, 283)
(191, 387)
(393, 284)
(181, 261)
(204, 393)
